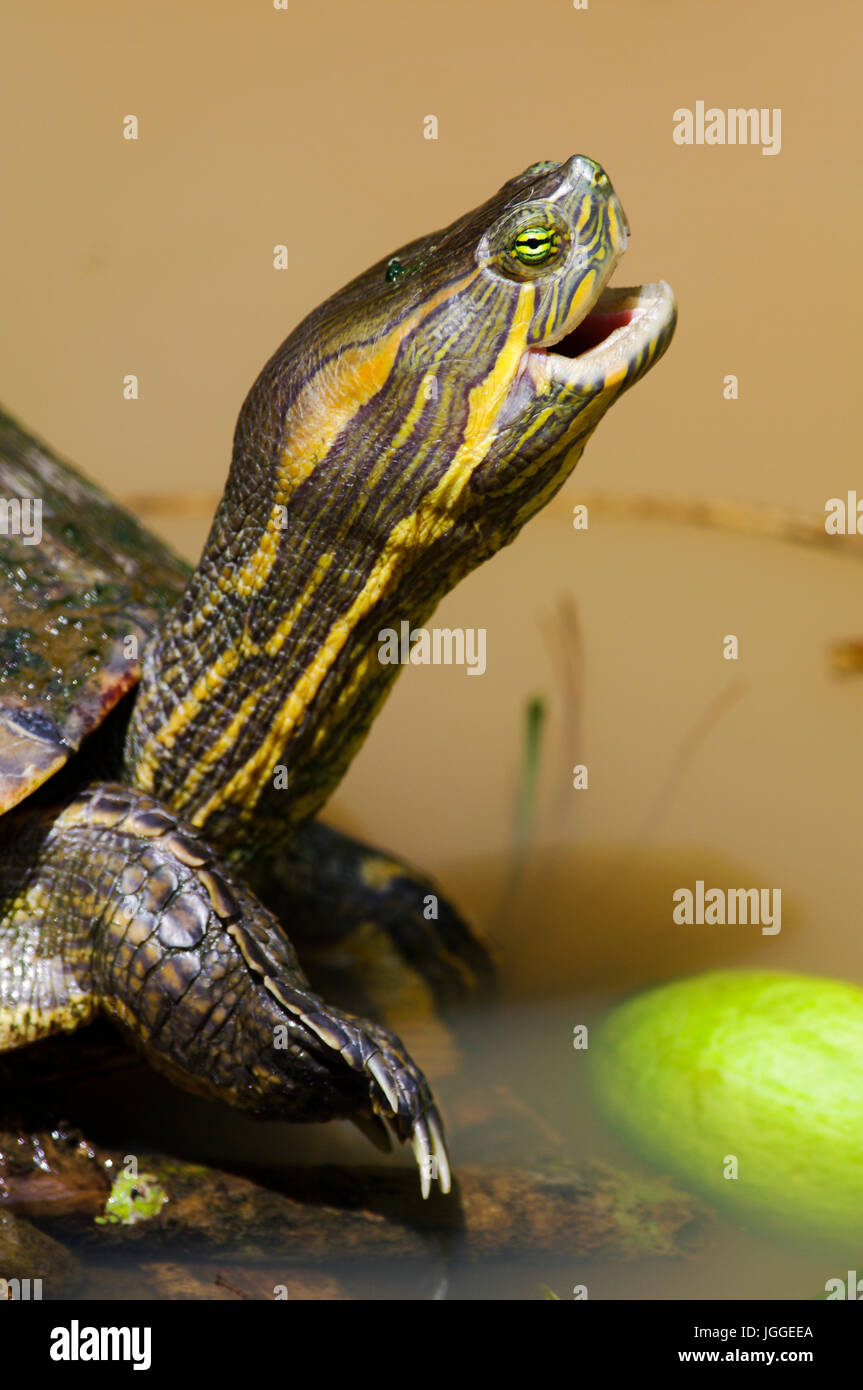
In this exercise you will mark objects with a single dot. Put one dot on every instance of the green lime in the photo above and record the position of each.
(749, 1087)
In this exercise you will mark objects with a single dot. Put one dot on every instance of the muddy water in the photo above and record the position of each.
(739, 773)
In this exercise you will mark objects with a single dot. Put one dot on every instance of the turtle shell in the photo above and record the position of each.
(70, 600)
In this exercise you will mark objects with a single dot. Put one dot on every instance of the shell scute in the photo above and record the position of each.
(80, 597)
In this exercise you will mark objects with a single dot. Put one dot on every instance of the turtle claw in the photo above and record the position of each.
(400, 1094)
(423, 1155)
(375, 1065)
(439, 1152)
(430, 1152)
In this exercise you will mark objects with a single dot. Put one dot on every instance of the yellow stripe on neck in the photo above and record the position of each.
(414, 533)
(324, 408)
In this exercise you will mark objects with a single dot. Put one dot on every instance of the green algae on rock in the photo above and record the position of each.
(133, 1197)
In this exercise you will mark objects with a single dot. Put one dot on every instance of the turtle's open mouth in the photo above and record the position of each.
(623, 327)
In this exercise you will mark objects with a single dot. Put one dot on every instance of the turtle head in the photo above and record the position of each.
(403, 433)
(526, 309)
(451, 388)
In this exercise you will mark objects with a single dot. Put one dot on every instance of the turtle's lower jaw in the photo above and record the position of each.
(623, 334)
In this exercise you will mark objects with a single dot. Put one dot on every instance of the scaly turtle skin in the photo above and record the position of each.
(167, 738)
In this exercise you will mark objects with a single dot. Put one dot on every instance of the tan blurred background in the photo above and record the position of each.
(306, 127)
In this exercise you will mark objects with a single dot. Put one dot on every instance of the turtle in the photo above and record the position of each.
(169, 736)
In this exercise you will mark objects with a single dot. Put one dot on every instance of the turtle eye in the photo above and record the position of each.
(530, 241)
(536, 245)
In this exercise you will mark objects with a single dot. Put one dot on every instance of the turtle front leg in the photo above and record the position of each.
(348, 903)
(198, 972)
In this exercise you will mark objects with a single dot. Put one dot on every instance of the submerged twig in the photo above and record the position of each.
(564, 640)
(692, 741)
(778, 523)
(525, 809)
